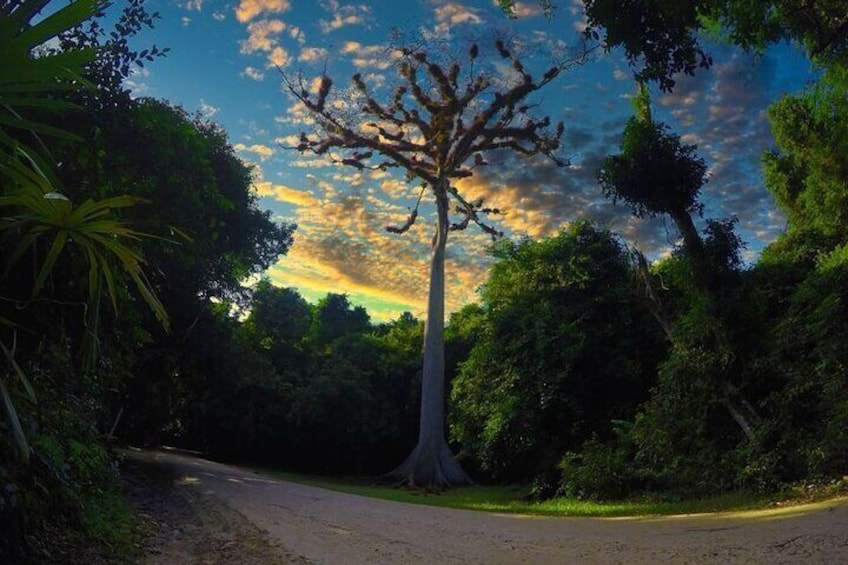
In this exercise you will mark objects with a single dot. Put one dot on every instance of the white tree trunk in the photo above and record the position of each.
(431, 463)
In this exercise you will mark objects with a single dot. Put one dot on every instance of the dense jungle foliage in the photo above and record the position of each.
(584, 370)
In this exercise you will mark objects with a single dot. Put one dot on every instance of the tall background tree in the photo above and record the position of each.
(437, 125)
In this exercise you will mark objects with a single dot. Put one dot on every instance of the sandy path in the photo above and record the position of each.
(321, 526)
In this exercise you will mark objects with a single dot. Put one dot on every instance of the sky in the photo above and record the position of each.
(225, 63)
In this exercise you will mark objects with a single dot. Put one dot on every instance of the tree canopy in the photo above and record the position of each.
(663, 38)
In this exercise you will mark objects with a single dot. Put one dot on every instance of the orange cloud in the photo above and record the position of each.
(279, 57)
(282, 193)
(312, 54)
(249, 9)
(522, 212)
(342, 246)
(343, 16)
(261, 36)
(364, 56)
(262, 151)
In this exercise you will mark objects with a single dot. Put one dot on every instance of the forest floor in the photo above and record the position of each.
(206, 512)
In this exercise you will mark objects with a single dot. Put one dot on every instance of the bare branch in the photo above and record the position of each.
(433, 127)
(412, 216)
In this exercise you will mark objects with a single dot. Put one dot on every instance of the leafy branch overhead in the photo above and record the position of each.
(437, 125)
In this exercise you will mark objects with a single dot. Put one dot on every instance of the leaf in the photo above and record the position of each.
(23, 244)
(29, 125)
(14, 422)
(18, 372)
(64, 19)
(49, 261)
(110, 283)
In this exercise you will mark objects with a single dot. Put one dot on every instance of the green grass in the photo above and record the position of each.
(108, 521)
(513, 499)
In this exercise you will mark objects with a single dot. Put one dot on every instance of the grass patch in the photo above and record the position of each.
(109, 523)
(107, 519)
(513, 499)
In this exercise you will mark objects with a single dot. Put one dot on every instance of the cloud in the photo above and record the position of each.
(283, 193)
(196, 5)
(343, 15)
(253, 73)
(368, 56)
(207, 110)
(577, 9)
(297, 34)
(618, 74)
(261, 36)
(374, 80)
(136, 83)
(454, 14)
(342, 245)
(723, 112)
(249, 9)
(279, 57)
(312, 54)
(288, 141)
(261, 151)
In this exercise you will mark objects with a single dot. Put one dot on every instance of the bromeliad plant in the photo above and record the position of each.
(34, 214)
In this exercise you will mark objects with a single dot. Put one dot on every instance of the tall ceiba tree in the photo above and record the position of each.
(436, 126)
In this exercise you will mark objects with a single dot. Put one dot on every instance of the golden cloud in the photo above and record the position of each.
(282, 193)
(312, 54)
(262, 151)
(522, 212)
(364, 56)
(249, 9)
(260, 36)
(279, 57)
(343, 16)
(342, 246)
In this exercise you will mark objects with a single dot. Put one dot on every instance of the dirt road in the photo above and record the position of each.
(312, 525)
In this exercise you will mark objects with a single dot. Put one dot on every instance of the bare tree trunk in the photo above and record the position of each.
(740, 409)
(110, 437)
(432, 463)
(654, 303)
(694, 247)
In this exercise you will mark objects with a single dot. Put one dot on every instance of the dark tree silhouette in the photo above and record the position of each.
(437, 128)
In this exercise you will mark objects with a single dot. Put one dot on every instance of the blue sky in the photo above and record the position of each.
(223, 64)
